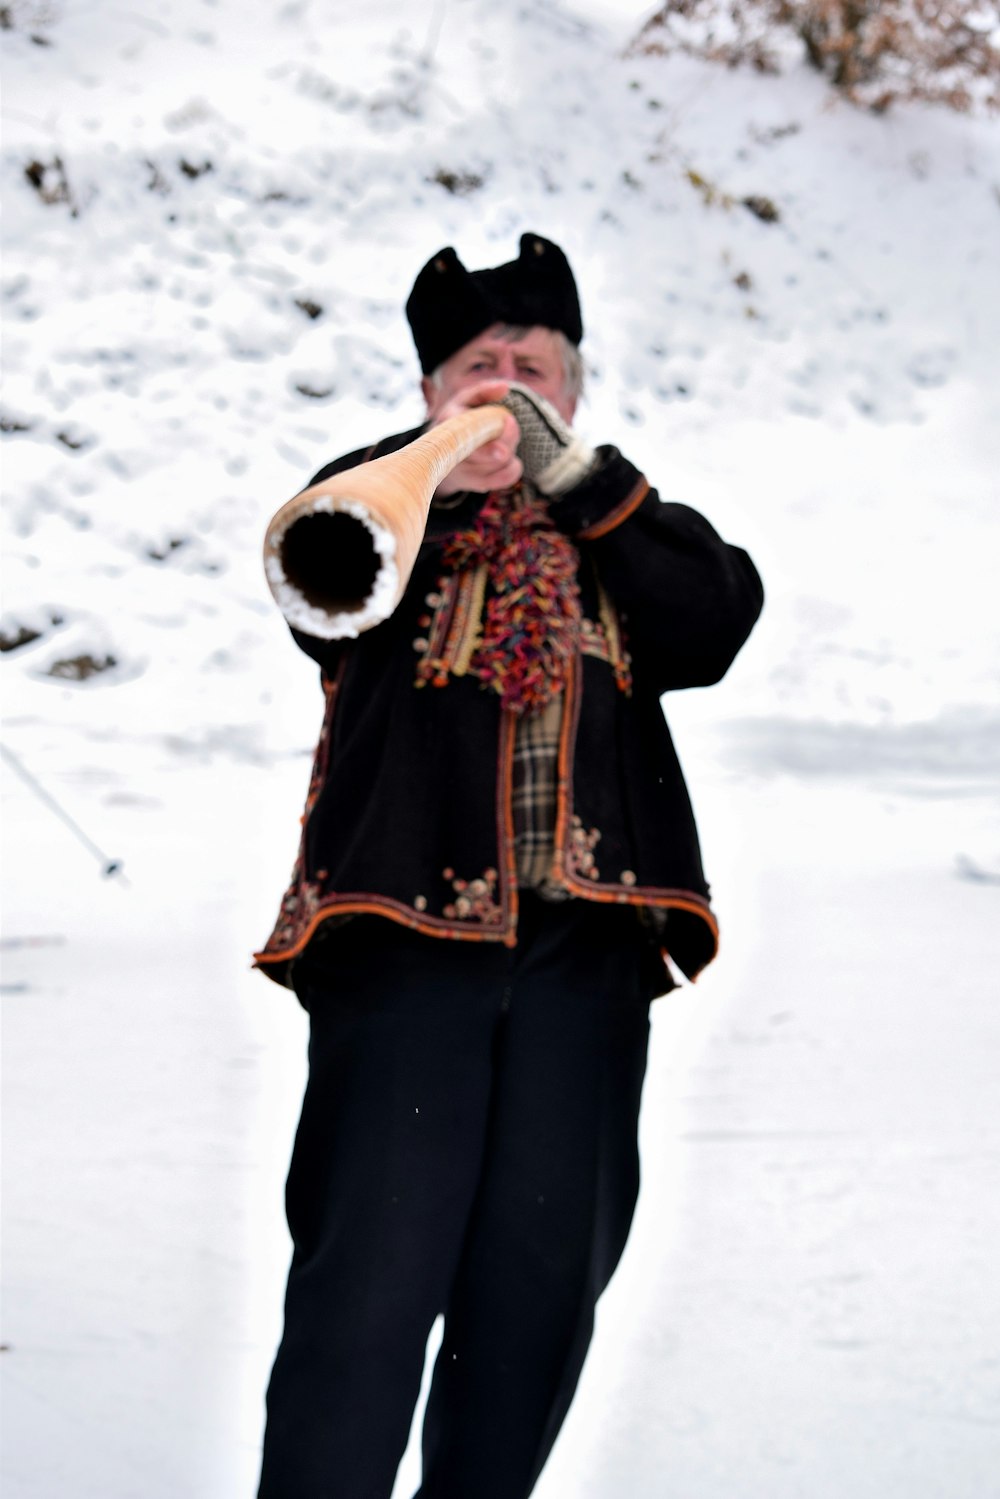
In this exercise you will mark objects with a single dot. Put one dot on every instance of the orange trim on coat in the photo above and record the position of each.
(393, 911)
(629, 896)
(567, 744)
(618, 514)
(505, 823)
(434, 927)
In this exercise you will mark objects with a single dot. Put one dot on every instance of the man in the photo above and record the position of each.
(498, 855)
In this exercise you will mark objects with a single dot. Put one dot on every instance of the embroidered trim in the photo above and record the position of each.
(506, 848)
(434, 663)
(451, 632)
(567, 747)
(271, 956)
(466, 628)
(376, 905)
(475, 900)
(299, 904)
(581, 843)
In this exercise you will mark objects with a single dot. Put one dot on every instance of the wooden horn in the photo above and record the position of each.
(338, 556)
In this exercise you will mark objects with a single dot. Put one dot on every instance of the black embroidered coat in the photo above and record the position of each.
(408, 813)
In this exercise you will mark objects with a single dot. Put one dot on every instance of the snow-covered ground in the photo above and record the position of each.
(809, 1305)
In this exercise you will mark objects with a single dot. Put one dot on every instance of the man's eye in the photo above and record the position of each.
(480, 364)
(531, 373)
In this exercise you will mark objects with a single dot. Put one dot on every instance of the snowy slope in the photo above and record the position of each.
(208, 309)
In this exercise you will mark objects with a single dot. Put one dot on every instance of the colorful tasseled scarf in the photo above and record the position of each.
(530, 626)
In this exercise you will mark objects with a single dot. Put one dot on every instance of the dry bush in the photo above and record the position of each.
(877, 52)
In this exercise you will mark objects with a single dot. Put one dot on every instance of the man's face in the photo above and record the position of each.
(534, 360)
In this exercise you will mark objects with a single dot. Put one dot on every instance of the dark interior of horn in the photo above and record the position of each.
(330, 559)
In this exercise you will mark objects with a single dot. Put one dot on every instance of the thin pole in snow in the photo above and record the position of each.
(109, 867)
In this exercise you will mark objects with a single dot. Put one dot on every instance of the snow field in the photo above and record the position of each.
(208, 310)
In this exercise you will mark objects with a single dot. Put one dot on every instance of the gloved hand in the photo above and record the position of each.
(554, 458)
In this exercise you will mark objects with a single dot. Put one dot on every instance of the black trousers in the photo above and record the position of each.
(467, 1145)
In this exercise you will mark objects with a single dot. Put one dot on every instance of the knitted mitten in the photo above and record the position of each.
(554, 458)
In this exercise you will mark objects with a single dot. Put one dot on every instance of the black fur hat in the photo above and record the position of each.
(449, 305)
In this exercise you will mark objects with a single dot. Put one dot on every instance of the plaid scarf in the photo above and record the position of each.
(534, 797)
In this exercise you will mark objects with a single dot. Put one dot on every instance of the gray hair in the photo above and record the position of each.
(572, 359)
